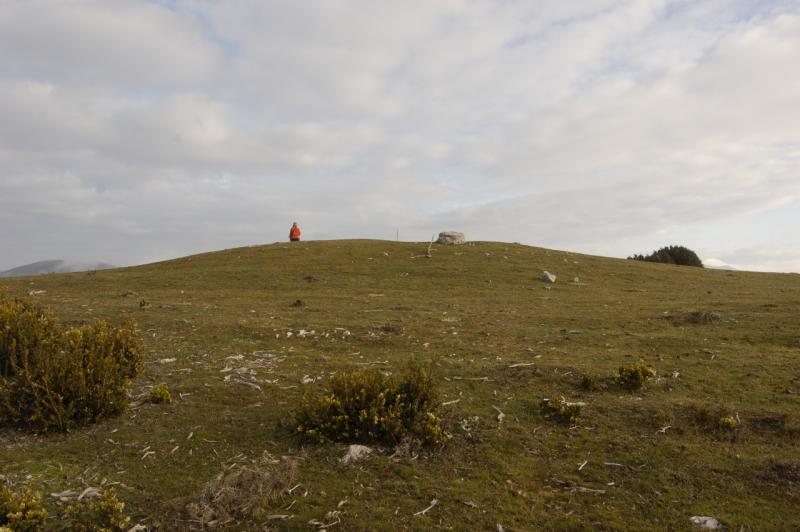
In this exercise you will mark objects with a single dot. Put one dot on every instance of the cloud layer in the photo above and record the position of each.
(133, 131)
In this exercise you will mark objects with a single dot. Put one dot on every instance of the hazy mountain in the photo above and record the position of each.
(54, 266)
(716, 264)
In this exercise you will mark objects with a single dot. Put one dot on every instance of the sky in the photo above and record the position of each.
(135, 131)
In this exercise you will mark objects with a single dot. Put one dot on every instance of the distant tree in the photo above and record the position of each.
(672, 255)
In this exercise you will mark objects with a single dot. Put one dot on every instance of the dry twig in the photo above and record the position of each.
(434, 502)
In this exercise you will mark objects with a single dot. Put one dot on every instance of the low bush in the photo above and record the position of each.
(714, 419)
(104, 514)
(727, 423)
(160, 394)
(672, 255)
(561, 410)
(55, 378)
(368, 407)
(21, 511)
(634, 376)
(589, 382)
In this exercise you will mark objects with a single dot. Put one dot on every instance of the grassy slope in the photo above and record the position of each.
(478, 309)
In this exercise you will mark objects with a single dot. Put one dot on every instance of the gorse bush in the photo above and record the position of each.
(160, 394)
(714, 419)
(55, 378)
(561, 410)
(589, 382)
(672, 255)
(368, 407)
(21, 511)
(634, 376)
(105, 514)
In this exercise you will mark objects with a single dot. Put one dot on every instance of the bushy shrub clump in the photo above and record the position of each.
(713, 418)
(105, 514)
(160, 394)
(367, 407)
(633, 376)
(728, 423)
(561, 410)
(21, 511)
(672, 255)
(55, 378)
(589, 382)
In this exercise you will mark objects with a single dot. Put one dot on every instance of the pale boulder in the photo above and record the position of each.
(450, 237)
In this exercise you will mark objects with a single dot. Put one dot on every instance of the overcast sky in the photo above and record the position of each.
(132, 131)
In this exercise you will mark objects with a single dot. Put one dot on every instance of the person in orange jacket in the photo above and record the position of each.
(294, 233)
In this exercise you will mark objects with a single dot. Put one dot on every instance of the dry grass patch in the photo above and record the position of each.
(244, 492)
(696, 317)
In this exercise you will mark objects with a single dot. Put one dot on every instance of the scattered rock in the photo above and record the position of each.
(469, 423)
(451, 237)
(299, 303)
(356, 453)
(310, 278)
(547, 277)
(705, 522)
(576, 280)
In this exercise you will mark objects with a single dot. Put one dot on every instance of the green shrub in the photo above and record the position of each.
(367, 407)
(105, 514)
(672, 255)
(727, 423)
(561, 410)
(634, 376)
(22, 511)
(160, 394)
(715, 419)
(589, 382)
(57, 378)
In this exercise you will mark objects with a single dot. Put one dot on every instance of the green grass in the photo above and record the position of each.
(475, 310)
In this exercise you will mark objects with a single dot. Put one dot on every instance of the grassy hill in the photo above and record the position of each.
(214, 325)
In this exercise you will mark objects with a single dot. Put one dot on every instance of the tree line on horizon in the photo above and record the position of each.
(680, 255)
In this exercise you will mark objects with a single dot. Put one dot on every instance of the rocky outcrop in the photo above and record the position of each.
(450, 237)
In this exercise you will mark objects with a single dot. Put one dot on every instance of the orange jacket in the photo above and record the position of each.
(294, 232)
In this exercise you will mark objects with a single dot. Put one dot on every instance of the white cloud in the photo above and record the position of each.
(155, 129)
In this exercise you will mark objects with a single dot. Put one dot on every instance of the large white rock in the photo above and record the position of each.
(355, 453)
(450, 237)
(705, 522)
(547, 277)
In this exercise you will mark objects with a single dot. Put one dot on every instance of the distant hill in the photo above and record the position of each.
(53, 266)
(717, 264)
